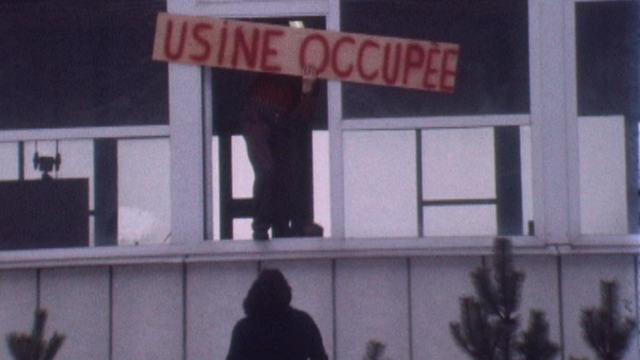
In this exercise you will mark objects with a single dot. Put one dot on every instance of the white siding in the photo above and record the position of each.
(581, 276)
(372, 304)
(436, 287)
(77, 300)
(215, 292)
(186, 310)
(18, 301)
(147, 312)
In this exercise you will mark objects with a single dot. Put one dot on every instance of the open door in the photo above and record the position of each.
(229, 89)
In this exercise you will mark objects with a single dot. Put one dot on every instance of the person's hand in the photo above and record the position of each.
(309, 77)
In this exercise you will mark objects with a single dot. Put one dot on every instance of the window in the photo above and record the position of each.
(438, 182)
(125, 183)
(430, 165)
(493, 76)
(607, 56)
(81, 64)
(82, 102)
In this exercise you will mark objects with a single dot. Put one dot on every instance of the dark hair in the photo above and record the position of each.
(269, 295)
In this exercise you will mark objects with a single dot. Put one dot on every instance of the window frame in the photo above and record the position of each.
(576, 237)
(552, 118)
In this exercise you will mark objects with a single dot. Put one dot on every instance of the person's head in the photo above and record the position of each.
(270, 294)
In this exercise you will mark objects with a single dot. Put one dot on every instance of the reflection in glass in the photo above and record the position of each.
(127, 184)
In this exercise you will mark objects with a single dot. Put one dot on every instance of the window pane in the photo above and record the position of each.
(85, 64)
(460, 220)
(480, 172)
(445, 182)
(9, 166)
(603, 196)
(118, 191)
(451, 156)
(144, 215)
(380, 183)
(493, 75)
(608, 91)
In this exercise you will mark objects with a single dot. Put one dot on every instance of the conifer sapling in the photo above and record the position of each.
(33, 346)
(489, 322)
(603, 328)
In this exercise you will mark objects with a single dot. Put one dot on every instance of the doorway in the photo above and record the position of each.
(229, 89)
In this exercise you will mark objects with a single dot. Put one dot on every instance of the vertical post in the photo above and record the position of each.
(188, 207)
(105, 165)
(508, 180)
(554, 138)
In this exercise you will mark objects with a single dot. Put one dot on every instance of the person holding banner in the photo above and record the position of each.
(277, 106)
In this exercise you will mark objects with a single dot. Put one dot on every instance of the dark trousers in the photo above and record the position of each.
(270, 139)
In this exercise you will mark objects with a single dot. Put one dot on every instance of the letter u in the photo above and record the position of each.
(167, 42)
(391, 79)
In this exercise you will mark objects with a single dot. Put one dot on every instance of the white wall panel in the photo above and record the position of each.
(215, 292)
(18, 301)
(147, 312)
(406, 303)
(77, 301)
(371, 304)
(437, 283)
(312, 286)
(581, 276)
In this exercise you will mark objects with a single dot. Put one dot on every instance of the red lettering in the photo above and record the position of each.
(167, 42)
(325, 51)
(206, 47)
(413, 60)
(447, 72)
(334, 57)
(268, 51)
(391, 79)
(430, 69)
(240, 45)
(360, 61)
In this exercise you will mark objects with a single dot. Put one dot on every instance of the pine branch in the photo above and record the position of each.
(33, 346)
(603, 329)
(375, 350)
(535, 343)
(475, 334)
(489, 323)
(508, 280)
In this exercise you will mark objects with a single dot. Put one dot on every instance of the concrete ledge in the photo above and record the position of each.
(283, 249)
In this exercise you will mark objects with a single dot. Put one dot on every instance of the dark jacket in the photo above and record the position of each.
(272, 329)
(291, 335)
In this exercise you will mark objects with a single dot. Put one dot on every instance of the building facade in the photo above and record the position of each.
(538, 143)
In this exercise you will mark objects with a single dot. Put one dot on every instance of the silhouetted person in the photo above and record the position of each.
(277, 107)
(272, 329)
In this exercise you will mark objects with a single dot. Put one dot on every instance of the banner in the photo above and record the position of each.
(242, 45)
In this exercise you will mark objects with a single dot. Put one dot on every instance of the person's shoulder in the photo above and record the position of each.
(301, 315)
(242, 323)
